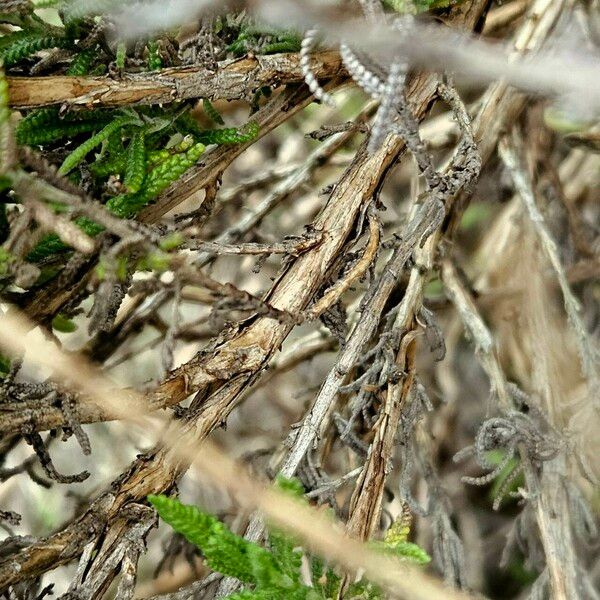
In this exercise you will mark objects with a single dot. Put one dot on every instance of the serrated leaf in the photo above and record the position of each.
(404, 550)
(288, 559)
(194, 524)
(289, 485)
(225, 552)
(399, 529)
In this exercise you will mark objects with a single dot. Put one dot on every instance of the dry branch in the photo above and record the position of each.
(509, 149)
(365, 505)
(487, 125)
(43, 305)
(181, 446)
(334, 294)
(232, 80)
(238, 361)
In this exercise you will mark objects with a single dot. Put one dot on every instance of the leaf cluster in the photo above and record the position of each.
(125, 157)
(242, 35)
(275, 571)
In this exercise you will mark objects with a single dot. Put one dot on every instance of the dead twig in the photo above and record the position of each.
(232, 80)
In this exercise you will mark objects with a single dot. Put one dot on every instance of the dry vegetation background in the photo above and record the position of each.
(349, 313)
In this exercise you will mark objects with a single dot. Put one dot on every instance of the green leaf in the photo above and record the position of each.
(52, 244)
(171, 241)
(154, 58)
(82, 63)
(475, 215)
(266, 569)
(224, 551)
(5, 126)
(195, 525)
(84, 149)
(299, 593)
(404, 550)
(229, 135)
(252, 595)
(157, 180)
(290, 486)
(135, 170)
(45, 125)
(495, 457)
(325, 579)
(62, 324)
(234, 556)
(22, 46)
(154, 261)
(283, 545)
(364, 590)
(399, 529)
(283, 46)
(211, 112)
(4, 365)
(121, 54)
(288, 559)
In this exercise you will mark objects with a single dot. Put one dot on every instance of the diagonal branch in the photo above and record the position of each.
(281, 108)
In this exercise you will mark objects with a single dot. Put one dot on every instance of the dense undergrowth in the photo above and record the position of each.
(370, 275)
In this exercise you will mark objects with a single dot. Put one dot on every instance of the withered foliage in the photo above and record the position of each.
(341, 266)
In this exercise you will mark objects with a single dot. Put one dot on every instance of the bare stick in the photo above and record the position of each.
(362, 333)
(233, 80)
(280, 192)
(333, 295)
(69, 233)
(292, 246)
